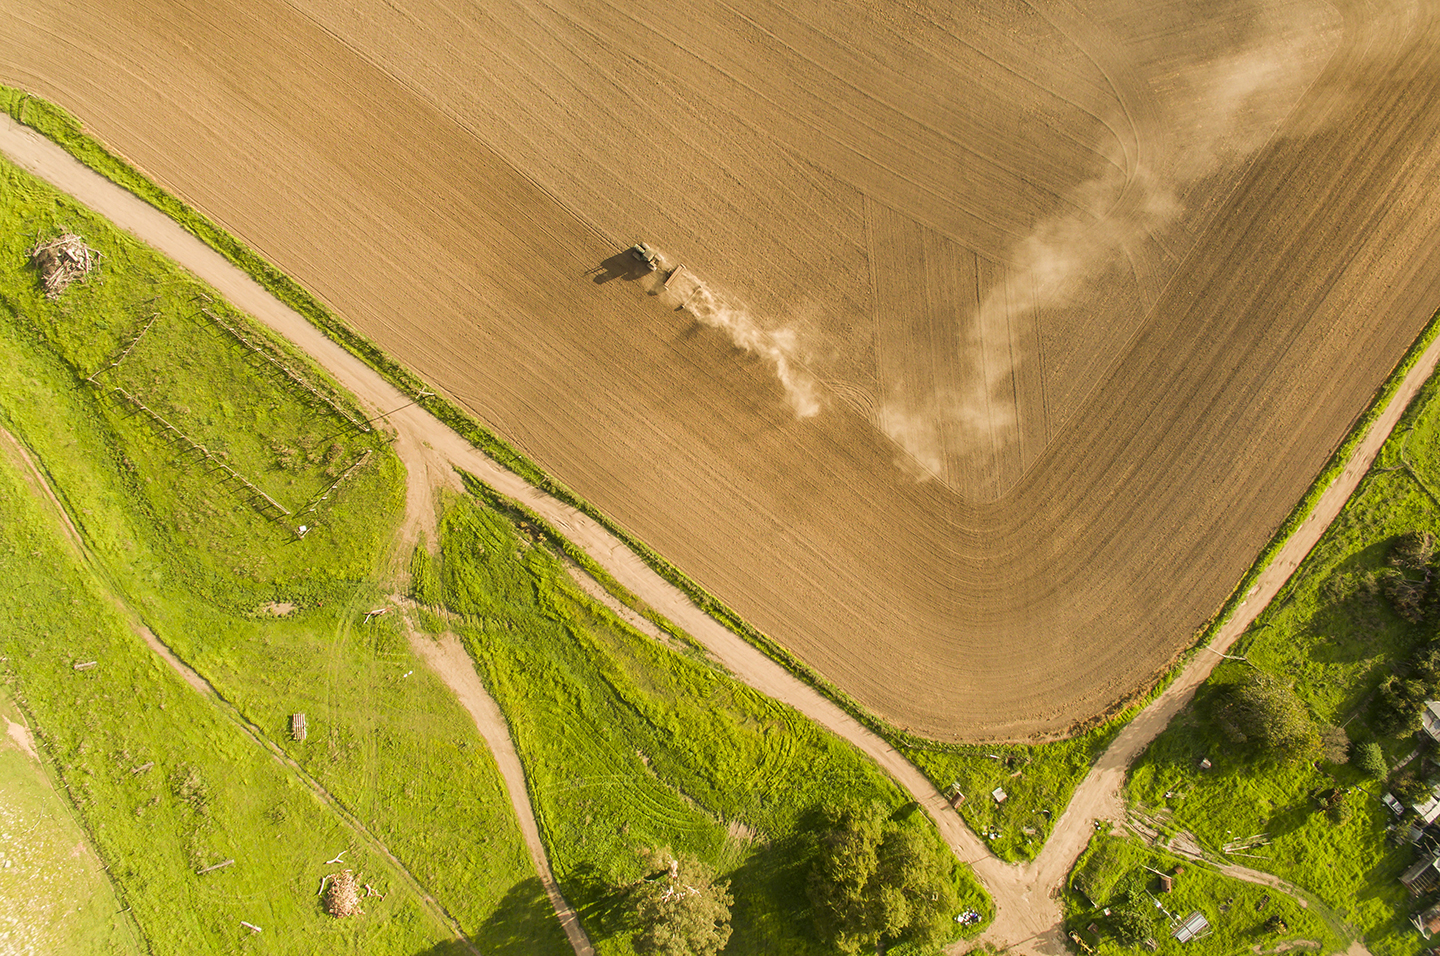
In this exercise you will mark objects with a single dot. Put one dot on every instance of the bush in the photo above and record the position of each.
(875, 881)
(1369, 760)
(1413, 551)
(1264, 712)
(1335, 744)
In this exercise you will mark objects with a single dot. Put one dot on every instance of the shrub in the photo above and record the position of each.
(1369, 760)
(1265, 712)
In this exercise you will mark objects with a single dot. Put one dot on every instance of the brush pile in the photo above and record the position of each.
(342, 895)
(62, 261)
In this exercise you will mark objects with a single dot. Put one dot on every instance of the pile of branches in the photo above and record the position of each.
(62, 261)
(342, 895)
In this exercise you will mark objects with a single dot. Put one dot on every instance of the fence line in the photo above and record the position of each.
(293, 376)
(126, 351)
(200, 448)
(334, 484)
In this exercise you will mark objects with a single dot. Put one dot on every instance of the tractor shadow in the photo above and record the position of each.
(622, 265)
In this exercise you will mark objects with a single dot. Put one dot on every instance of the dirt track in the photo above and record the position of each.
(448, 184)
(447, 658)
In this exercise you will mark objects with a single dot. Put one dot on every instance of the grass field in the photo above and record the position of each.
(1333, 634)
(634, 751)
(175, 541)
(1111, 867)
(54, 895)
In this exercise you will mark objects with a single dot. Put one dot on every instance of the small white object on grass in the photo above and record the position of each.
(338, 858)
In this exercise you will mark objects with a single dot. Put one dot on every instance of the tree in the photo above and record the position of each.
(1369, 760)
(1413, 551)
(1265, 712)
(683, 912)
(877, 881)
(1134, 919)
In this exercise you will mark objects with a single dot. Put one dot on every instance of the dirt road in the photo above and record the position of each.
(449, 660)
(1028, 915)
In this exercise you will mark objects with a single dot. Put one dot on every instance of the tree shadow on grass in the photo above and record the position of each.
(523, 924)
(605, 909)
(772, 912)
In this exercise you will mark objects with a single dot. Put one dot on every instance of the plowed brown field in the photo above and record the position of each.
(1074, 299)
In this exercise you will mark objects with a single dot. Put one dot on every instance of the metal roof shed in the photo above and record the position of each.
(1195, 926)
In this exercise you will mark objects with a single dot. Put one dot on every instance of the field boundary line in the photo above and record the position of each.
(196, 446)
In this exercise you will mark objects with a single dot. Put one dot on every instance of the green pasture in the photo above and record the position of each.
(634, 751)
(1241, 915)
(177, 542)
(1334, 636)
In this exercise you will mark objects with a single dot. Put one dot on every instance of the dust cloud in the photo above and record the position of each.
(779, 347)
(1215, 111)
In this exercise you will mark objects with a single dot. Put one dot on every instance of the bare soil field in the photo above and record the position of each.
(1024, 325)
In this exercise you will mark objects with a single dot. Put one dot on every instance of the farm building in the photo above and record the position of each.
(1423, 876)
(1428, 922)
(1430, 719)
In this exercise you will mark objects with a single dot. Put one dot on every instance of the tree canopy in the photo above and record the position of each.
(1266, 713)
(684, 912)
(875, 880)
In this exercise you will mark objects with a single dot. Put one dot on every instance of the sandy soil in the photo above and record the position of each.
(1197, 241)
(448, 659)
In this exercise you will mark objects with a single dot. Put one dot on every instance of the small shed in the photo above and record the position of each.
(1430, 719)
(1423, 876)
(297, 726)
(999, 794)
(956, 800)
(1428, 811)
(1194, 926)
(1167, 883)
(1428, 922)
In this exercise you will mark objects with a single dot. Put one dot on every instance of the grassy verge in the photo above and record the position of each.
(53, 891)
(633, 751)
(1333, 635)
(180, 543)
(1037, 779)
(1241, 915)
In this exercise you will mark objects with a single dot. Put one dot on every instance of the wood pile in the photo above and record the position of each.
(342, 895)
(62, 261)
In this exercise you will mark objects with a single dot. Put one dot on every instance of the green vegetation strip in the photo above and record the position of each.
(635, 754)
(273, 620)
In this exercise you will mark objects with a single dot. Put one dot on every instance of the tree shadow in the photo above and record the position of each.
(772, 910)
(523, 924)
(604, 909)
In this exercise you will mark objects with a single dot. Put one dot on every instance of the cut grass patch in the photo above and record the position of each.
(54, 895)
